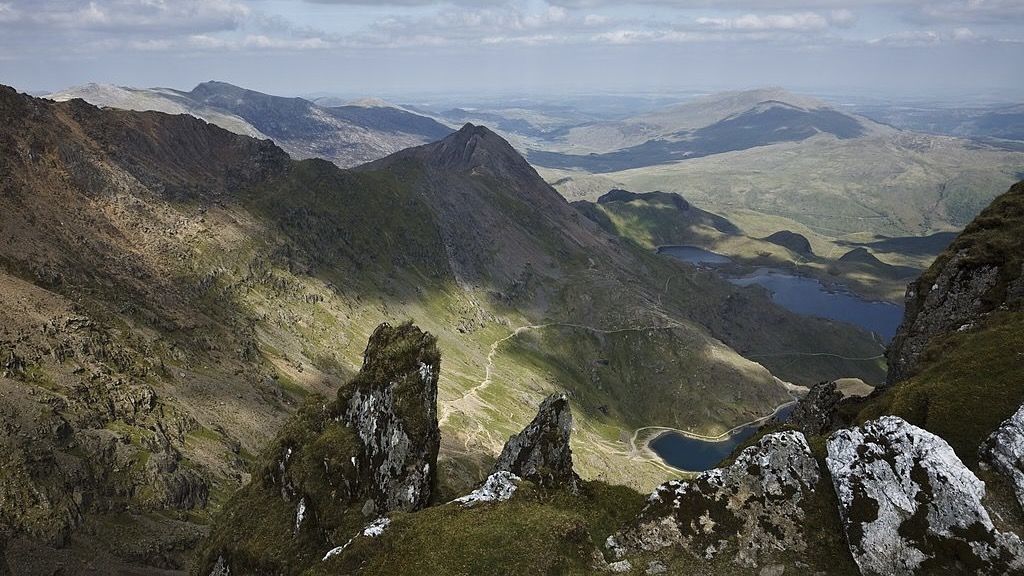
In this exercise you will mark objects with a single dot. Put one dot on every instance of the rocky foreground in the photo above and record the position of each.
(925, 476)
(343, 474)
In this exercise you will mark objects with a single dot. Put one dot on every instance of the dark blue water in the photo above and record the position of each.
(805, 295)
(810, 297)
(696, 455)
(694, 255)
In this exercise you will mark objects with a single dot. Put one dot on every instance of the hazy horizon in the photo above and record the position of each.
(902, 49)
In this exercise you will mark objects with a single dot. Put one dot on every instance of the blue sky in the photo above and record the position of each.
(906, 48)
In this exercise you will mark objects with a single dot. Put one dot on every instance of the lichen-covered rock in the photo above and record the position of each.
(910, 506)
(393, 410)
(336, 465)
(750, 509)
(1003, 451)
(541, 452)
(815, 413)
(498, 487)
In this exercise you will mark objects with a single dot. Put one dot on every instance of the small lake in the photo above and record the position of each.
(695, 455)
(694, 255)
(810, 297)
(804, 295)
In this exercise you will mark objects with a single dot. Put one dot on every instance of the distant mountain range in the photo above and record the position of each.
(1004, 121)
(766, 122)
(347, 135)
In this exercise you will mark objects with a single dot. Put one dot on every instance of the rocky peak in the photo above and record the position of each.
(815, 414)
(392, 407)
(910, 506)
(981, 271)
(476, 148)
(541, 452)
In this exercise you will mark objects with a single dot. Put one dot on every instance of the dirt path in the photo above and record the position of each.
(474, 392)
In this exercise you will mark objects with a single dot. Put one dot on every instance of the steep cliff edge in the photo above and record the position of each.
(980, 272)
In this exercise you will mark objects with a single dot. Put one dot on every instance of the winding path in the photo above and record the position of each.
(450, 405)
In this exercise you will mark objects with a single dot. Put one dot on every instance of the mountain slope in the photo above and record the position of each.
(173, 291)
(346, 135)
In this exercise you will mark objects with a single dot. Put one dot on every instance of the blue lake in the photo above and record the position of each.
(810, 297)
(795, 293)
(697, 455)
(804, 295)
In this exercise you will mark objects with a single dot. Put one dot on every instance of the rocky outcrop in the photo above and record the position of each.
(393, 410)
(541, 452)
(954, 300)
(816, 413)
(1003, 451)
(796, 242)
(336, 466)
(910, 506)
(498, 487)
(981, 271)
(750, 509)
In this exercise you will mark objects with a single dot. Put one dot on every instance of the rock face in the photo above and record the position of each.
(541, 452)
(1003, 451)
(752, 508)
(981, 271)
(393, 411)
(910, 506)
(338, 465)
(955, 299)
(815, 413)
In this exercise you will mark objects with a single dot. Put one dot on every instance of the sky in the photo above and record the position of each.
(881, 48)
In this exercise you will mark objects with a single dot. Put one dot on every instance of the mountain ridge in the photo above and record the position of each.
(346, 135)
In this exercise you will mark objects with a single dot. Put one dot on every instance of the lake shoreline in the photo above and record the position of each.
(719, 440)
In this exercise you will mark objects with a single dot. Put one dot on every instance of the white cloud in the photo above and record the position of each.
(963, 33)
(909, 38)
(803, 21)
(137, 15)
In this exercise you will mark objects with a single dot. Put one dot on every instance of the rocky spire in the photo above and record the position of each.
(541, 452)
(336, 465)
(392, 407)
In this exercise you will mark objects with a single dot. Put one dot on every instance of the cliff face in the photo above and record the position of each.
(980, 272)
(339, 465)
